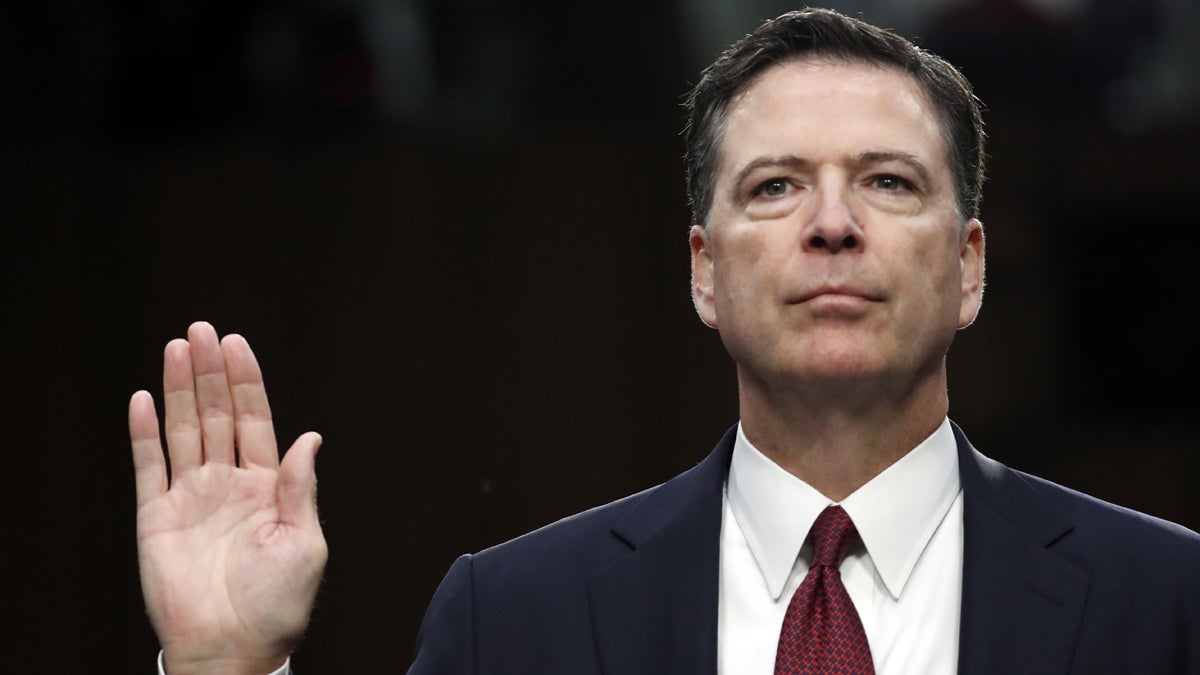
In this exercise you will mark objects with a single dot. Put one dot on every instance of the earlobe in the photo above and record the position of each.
(702, 276)
(971, 260)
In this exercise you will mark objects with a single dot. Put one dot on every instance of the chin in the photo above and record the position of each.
(850, 355)
(834, 375)
(833, 369)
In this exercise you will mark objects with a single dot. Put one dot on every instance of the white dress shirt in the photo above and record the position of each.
(904, 577)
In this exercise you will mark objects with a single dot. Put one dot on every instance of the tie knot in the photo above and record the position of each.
(832, 534)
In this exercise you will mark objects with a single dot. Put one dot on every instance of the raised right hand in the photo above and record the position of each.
(231, 552)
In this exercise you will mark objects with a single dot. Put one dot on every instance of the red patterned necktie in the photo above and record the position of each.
(822, 634)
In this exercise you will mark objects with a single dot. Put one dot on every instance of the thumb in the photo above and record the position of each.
(298, 481)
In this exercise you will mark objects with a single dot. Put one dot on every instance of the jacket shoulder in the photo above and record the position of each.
(1117, 527)
(591, 539)
(579, 535)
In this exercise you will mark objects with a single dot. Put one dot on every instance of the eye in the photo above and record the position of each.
(774, 187)
(891, 183)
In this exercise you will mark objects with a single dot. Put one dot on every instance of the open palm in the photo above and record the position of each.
(231, 551)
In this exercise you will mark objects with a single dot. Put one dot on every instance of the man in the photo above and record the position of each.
(844, 525)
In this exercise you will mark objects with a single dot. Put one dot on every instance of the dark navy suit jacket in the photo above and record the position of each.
(1054, 582)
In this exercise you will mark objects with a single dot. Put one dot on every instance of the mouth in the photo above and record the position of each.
(836, 294)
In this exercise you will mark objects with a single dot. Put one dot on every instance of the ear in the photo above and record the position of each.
(971, 261)
(702, 276)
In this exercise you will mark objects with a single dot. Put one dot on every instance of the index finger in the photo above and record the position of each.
(253, 429)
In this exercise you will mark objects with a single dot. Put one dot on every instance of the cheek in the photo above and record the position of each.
(749, 287)
(743, 293)
(932, 273)
(741, 267)
(946, 288)
(936, 258)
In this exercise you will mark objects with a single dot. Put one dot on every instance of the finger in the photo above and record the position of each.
(149, 466)
(213, 401)
(298, 481)
(184, 445)
(253, 430)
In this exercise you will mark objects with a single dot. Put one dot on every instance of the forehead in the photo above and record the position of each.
(825, 110)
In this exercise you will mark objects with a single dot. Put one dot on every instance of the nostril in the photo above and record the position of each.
(818, 242)
(849, 242)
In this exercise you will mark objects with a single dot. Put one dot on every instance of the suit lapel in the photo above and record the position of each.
(1021, 602)
(654, 611)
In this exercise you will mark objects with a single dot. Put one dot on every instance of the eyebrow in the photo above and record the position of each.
(908, 159)
(786, 161)
(867, 158)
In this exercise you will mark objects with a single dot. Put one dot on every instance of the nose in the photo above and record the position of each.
(832, 228)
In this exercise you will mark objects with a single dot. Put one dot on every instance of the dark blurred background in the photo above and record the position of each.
(455, 234)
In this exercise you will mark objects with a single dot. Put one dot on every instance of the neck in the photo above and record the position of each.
(836, 439)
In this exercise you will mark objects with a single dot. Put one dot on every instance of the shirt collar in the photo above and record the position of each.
(896, 512)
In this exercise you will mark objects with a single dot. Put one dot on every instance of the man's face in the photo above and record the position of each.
(833, 254)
